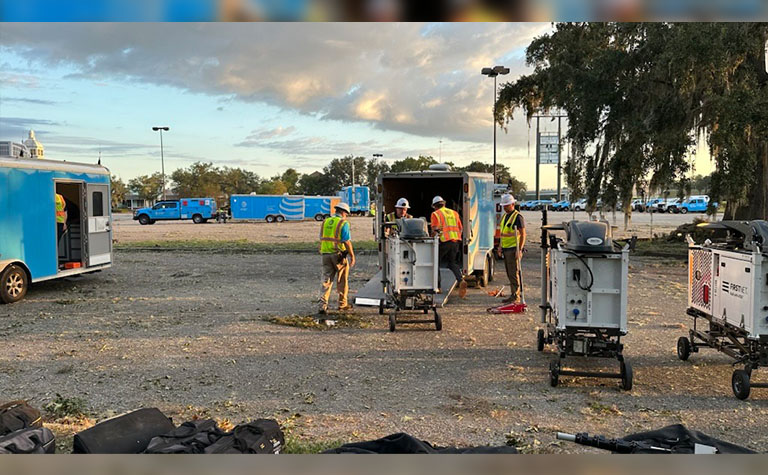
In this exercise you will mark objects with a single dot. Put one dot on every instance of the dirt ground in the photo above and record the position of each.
(126, 230)
(185, 332)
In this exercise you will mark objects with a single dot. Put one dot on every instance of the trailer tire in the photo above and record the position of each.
(482, 276)
(438, 321)
(554, 373)
(740, 384)
(683, 348)
(13, 284)
(392, 320)
(197, 219)
(684, 210)
(319, 217)
(540, 340)
(279, 218)
(143, 219)
(626, 376)
(492, 267)
(269, 218)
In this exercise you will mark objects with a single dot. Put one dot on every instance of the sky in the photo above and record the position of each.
(266, 96)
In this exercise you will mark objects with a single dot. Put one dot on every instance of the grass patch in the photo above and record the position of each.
(661, 248)
(63, 407)
(240, 245)
(294, 445)
(341, 320)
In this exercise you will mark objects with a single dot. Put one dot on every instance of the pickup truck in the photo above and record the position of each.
(199, 210)
(695, 205)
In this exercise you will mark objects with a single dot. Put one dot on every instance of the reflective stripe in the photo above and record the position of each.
(508, 232)
(61, 205)
(449, 224)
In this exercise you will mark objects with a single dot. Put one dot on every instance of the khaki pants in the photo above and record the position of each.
(335, 268)
(513, 271)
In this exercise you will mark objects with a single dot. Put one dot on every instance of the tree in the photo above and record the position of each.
(373, 170)
(502, 171)
(238, 181)
(291, 178)
(149, 188)
(339, 171)
(273, 187)
(317, 183)
(636, 96)
(516, 187)
(200, 179)
(410, 164)
(118, 191)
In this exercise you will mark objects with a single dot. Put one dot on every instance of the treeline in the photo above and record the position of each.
(205, 179)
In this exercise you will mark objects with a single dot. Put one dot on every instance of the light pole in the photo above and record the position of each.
(162, 159)
(492, 73)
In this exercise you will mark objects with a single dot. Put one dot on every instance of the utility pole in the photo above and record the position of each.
(493, 72)
(162, 159)
(538, 145)
(558, 158)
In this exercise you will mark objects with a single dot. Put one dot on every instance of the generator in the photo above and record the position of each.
(584, 297)
(728, 298)
(410, 276)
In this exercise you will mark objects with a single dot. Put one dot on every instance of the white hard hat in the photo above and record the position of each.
(507, 199)
(437, 199)
(402, 203)
(343, 206)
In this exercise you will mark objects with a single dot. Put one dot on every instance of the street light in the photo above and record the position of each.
(492, 73)
(162, 160)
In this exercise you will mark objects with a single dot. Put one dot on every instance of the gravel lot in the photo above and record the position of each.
(185, 332)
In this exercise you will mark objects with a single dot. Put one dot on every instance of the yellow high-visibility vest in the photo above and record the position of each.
(392, 217)
(330, 235)
(449, 224)
(508, 231)
(61, 206)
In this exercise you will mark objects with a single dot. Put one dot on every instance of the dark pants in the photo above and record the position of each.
(513, 271)
(450, 257)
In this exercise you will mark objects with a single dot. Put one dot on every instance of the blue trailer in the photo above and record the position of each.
(199, 210)
(269, 208)
(319, 207)
(32, 249)
(470, 194)
(358, 198)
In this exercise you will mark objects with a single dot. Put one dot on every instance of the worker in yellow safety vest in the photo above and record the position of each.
(335, 247)
(512, 232)
(400, 212)
(446, 223)
(61, 216)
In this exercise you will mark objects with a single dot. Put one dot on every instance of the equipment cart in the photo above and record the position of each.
(584, 295)
(410, 274)
(728, 289)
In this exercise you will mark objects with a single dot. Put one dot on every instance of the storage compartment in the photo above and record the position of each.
(420, 190)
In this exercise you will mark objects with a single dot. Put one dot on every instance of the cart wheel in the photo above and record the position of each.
(381, 307)
(438, 321)
(740, 384)
(554, 373)
(540, 340)
(683, 348)
(392, 320)
(626, 376)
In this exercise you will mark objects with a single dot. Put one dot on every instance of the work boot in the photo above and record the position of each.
(345, 307)
(509, 299)
(322, 310)
(463, 289)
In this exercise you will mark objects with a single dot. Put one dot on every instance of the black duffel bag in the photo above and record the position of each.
(262, 436)
(16, 415)
(126, 434)
(402, 443)
(31, 440)
(191, 437)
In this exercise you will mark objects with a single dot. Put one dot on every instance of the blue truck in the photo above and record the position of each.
(32, 247)
(358, 198)
(199, 210)
(269, 208)
(319, 207)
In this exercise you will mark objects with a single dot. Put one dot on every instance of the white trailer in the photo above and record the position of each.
(728, 287)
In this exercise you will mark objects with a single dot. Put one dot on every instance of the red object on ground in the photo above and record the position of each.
(514, 307)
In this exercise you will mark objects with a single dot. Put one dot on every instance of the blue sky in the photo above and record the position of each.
(262, 96)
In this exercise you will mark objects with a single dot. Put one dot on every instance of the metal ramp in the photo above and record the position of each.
(371, 294)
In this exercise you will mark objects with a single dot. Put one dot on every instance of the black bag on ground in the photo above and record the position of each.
(31, 440)
(681, 440)
(126, 434)
(191, 437)
(262, 436)
(401, 443)
(16, 415)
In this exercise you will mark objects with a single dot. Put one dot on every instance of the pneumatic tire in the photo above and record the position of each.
(540, 340)
(13, 284)
(197, 219)
(740, 384)
(683, 348)
(143, 219)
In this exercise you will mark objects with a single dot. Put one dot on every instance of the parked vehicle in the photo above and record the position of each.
(637, 205)
(199, 210)
(358, 198)
(649, 205)
(269, 208)
(319, 207)
(543, 204)
(560, 205)
(695, 204)
(31, 249)
(580, 205)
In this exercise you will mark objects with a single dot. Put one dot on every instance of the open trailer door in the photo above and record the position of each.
(98, 246)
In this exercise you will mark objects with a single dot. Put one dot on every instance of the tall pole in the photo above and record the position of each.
(558, 159)
(538, 141)
(162, 162)
(494, 130)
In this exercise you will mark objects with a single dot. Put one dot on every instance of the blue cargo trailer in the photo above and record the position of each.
(31, 247)
(319, 207)
(269, 208)
(358, 198)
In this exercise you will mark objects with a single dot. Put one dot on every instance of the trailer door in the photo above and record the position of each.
(99, 226)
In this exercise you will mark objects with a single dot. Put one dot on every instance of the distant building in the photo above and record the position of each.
(13, 150)
(132, 201)
(35, 148)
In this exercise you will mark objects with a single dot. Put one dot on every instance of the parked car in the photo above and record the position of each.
(542, 204)
(695, 205)
(580, 205)
(560, 205)
(649, 205)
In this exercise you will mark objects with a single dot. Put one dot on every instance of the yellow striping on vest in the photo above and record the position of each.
(449, 224)
(508, 231)
(61, 206)
(330, 235)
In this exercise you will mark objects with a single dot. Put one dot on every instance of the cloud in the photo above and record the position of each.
(419, 79)
(259, 135)
(28, 100)
(13, 128)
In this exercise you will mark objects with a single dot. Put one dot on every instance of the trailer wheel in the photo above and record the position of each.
(197, 219)
(438, 321)
(683, 348)
(540, 340)
(269, 218)
(279, 218)
(392, 320)
(13, 284)
(319, 217)
(740, 383)
(143, 219)
(492, 268)
(554, 373)
(626, 376)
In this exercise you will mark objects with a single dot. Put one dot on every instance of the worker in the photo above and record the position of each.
(335, 247)
(446, 223)
(61, 216)
(512, 232)
(400, 212)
